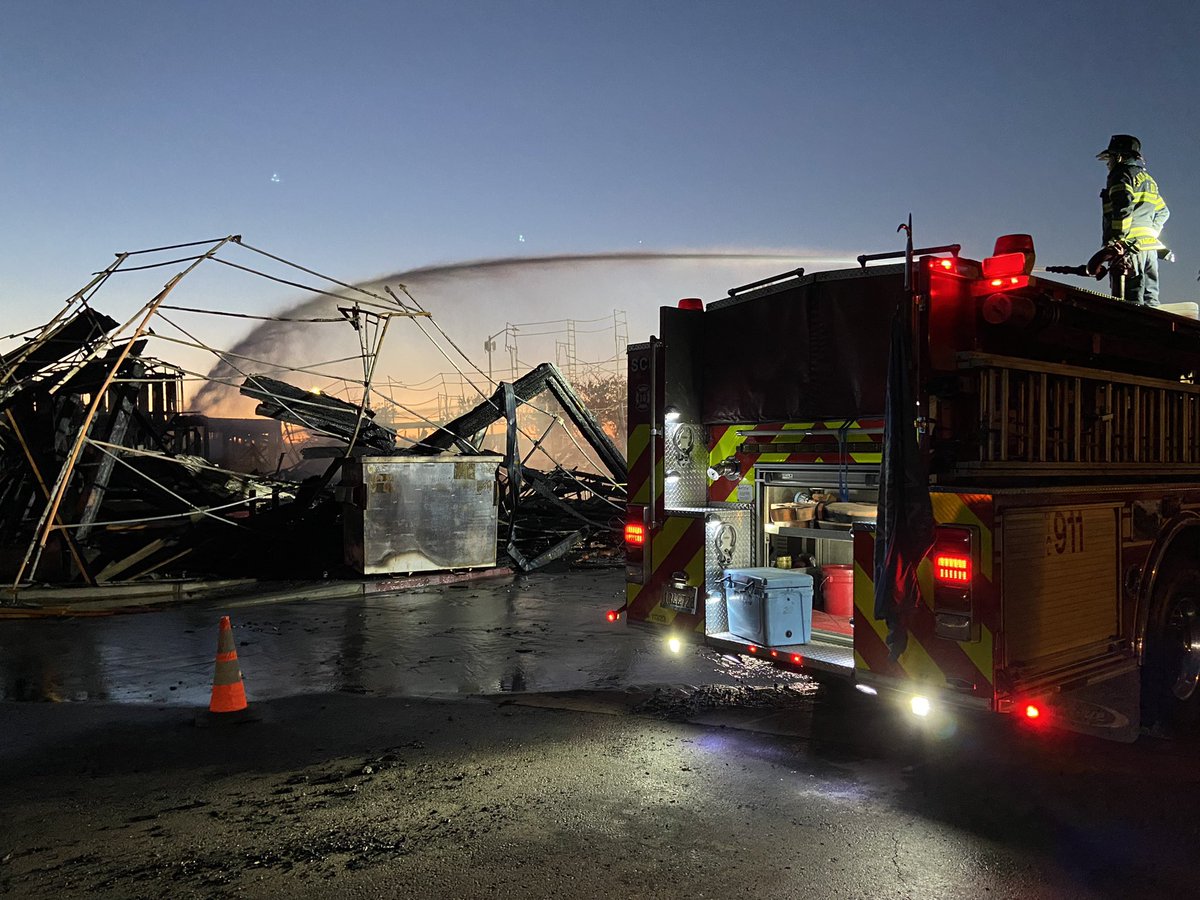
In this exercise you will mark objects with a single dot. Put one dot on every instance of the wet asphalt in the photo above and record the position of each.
(545, 632)
(502, 739)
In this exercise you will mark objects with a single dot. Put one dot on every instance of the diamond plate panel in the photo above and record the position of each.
(685, 465)
(728, 543)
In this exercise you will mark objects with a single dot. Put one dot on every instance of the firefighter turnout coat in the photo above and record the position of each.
(1134, 210)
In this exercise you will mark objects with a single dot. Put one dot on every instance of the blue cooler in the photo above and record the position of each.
(771, 607)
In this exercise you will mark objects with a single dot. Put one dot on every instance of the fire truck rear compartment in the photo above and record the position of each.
(800, 522)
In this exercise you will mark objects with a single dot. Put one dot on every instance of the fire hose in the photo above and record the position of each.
(1115, 257)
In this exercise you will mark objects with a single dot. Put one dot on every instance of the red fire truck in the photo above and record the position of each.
(1055, 450)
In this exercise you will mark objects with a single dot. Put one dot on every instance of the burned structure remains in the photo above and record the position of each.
(109, 474)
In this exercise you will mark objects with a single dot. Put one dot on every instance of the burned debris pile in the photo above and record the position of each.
(98, 481)
(545, 515)
(107, 476)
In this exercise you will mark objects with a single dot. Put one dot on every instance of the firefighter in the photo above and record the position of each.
(1134, 214)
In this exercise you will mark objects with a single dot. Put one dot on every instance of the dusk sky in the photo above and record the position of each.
(366, 138)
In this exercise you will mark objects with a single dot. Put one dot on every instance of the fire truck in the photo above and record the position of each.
(1049, 433)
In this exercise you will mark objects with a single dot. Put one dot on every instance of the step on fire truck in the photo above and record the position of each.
(1047, 436)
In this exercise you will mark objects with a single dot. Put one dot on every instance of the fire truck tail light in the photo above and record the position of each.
(952, 556)
(952, 568)
(1032, 711)
(635, 534)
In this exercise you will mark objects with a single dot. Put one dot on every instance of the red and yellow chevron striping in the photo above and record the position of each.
(967, 666)
(676, 546)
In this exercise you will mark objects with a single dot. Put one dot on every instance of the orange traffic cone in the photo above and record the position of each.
(228, 701)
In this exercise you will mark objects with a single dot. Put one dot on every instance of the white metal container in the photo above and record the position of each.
(420, 513)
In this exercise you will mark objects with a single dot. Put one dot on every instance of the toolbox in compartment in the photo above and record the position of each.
(771, 607)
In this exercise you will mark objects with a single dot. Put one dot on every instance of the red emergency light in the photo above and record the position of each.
(952, 556)
(1006, 264)
(612, 615)
(1006, 283)
(1032, 711)
(692, 303)
(953, 563)
(952, 568)
(752, 649)
(1010, 263)
(635, 534)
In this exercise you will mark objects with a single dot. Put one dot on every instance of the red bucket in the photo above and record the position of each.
(837, 589)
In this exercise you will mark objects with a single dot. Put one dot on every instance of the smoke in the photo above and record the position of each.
(472, 301)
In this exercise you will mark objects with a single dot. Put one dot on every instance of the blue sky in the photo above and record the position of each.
(364, 138)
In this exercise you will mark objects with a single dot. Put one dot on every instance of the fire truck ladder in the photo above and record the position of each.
(1043, 417)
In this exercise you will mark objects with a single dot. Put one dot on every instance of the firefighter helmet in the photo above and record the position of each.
(1122, 145)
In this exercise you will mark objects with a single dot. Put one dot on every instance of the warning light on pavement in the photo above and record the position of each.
(612, 615)
(920, 706)
(752, 648)
(797, 658)
(674, 645)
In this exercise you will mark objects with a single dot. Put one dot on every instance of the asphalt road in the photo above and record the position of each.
(502, 740)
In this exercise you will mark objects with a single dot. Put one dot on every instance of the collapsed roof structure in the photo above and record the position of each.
(106, 476)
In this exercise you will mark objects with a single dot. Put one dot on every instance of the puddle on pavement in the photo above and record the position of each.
(541, 632)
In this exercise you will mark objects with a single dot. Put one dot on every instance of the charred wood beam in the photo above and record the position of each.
(545, 488)
(89, 377)
(581, 416)
(116, 428)
(319, 412)
(72, 335)
(545, 377)
(570, 542)
(72, 546)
